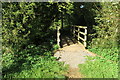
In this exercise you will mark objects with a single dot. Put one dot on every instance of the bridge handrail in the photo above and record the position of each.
(79, 32)
(79, 26)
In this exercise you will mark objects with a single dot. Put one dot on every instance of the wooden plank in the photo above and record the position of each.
(81, 27)
(81, 38)
(76, 30)
(82, 33)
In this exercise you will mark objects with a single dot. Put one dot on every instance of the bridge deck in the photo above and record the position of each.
(69, 40)
(71, 52)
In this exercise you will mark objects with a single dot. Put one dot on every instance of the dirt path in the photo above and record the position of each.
(73, 55)
(74, 73)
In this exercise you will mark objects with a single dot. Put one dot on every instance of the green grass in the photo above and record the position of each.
(105, 67)
(107, 53)
(100, 68)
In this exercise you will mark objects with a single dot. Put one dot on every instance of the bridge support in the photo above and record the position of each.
(73, 31)
(85, 38)
(78, 34)
(58, 36)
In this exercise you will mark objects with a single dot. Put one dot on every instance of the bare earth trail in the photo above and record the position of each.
(73, 55)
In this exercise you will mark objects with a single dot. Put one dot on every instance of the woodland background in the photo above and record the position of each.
(29, 37)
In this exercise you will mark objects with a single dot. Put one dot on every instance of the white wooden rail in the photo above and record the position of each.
(74, 30)
(58, 36)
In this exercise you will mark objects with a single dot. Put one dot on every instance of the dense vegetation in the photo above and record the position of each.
(99, 67)
(104, 43)
(29, 37)
(28, 42)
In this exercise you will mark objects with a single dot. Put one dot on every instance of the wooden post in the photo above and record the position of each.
(73, 31)
(58, 36)
(78, 35)
(85, 37)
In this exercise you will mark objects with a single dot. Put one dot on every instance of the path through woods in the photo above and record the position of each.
(73, 54)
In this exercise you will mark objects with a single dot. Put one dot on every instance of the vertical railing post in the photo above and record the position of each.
(85, 38)
(78, 34)
(73, 31)
(58, 36)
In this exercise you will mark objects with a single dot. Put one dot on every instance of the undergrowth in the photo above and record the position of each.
(107, 53)
(33, 62)
(101, 67)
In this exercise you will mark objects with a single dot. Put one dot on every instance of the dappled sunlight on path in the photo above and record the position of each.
(73, 55)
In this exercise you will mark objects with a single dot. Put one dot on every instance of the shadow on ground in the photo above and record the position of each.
(67, 41)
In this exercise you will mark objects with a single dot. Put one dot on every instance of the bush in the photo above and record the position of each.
(40, 68)
(29, 63)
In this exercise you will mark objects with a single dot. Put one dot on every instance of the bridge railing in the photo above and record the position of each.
(78, 31)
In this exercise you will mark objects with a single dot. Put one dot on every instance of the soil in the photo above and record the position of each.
(74, 73)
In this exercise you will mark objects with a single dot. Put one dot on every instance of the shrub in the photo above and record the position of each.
(29, 63)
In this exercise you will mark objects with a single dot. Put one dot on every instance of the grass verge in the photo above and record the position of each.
(97, 67)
